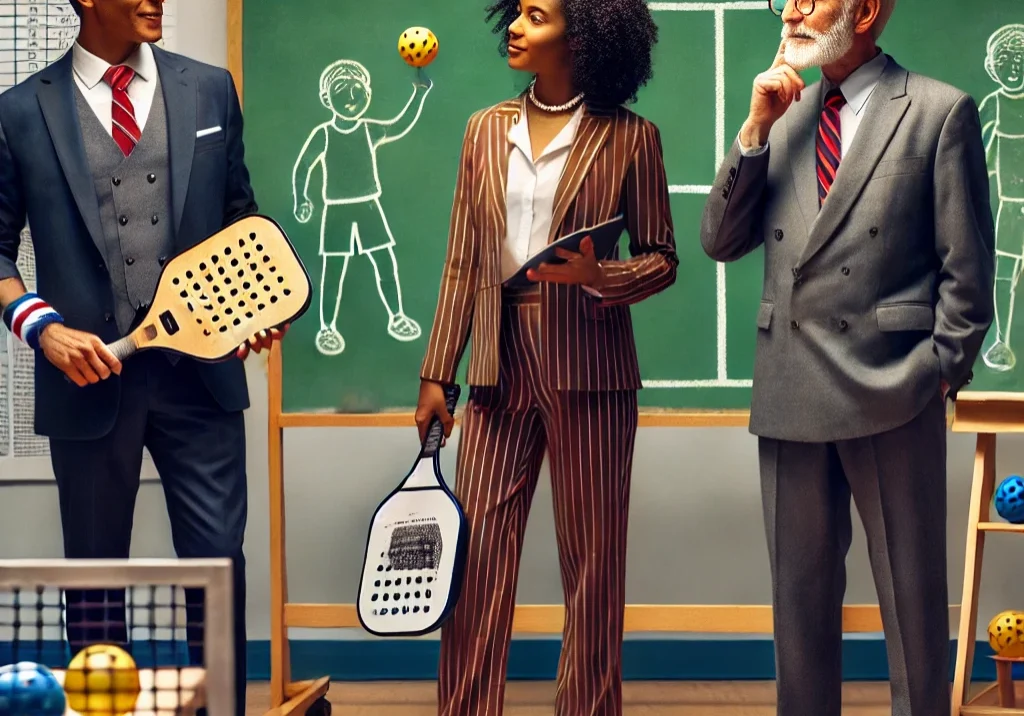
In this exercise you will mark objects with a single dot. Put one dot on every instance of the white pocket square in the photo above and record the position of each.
(204, 132)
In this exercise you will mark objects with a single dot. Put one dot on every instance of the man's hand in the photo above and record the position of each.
(261, 340)
(82, 357)
(580, 268)
(432, 402)
(774, 91)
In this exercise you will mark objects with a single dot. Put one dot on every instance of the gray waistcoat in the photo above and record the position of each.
(134, 196)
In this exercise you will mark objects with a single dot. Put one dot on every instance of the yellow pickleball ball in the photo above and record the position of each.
(1006, 634)
(417, 46)
(102, 680)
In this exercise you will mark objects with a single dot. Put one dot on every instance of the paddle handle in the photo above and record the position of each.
(123, 347)
(436, 430)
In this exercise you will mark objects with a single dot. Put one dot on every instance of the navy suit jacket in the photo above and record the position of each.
(45, 178)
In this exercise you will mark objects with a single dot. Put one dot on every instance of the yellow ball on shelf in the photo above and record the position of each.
(1006, 634)
(417, 46)
(102, 680)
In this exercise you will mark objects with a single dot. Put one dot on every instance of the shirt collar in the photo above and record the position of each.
(519, 135)
(90, 68)
(857, 88)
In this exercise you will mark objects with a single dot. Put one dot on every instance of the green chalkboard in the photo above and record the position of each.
(695, 340)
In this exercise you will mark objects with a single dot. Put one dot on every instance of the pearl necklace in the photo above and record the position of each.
(554, 108)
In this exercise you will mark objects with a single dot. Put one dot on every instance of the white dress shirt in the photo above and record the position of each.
(857, 90)
(89, 69)
(530, 191)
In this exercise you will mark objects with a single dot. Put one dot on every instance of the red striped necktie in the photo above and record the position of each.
(829, 143)
(125, 130)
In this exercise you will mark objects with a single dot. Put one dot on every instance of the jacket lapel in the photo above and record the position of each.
(590, 137)
(57, 102)
(884, 112)
(179, 91)
(497, 150)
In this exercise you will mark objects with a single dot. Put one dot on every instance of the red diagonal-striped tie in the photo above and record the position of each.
(829, 143)
(125, 130)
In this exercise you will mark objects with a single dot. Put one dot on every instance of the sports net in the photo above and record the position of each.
(115, 637)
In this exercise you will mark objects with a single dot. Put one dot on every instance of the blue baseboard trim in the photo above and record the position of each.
(864, 659)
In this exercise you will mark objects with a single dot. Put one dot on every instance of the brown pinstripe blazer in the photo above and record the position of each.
(615, 165)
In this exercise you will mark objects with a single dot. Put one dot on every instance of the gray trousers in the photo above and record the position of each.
(898, 482)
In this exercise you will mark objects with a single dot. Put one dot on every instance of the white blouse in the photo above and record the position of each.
(530, 191)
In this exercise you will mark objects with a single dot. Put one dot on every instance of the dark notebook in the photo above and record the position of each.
(605, 237)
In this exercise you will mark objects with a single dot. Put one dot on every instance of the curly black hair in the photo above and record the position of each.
(610, 42)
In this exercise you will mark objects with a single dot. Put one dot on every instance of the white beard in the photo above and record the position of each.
(822, 48)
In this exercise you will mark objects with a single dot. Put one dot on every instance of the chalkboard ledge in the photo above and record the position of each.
(647, 419)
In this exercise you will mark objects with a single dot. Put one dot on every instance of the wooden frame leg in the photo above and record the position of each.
(982, 487)
(280, 658)
(1004, 678)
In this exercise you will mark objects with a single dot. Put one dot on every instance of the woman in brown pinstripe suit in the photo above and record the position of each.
(553, 368)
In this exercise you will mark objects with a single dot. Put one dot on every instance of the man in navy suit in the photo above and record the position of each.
(120, 155)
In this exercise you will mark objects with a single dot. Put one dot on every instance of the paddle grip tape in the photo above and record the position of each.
(27, 316)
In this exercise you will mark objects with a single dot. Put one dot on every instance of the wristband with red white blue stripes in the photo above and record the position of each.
(26, 317)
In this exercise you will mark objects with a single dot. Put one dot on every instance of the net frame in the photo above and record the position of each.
(213, 576)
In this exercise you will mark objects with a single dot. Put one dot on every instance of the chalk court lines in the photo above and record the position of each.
(722, 379)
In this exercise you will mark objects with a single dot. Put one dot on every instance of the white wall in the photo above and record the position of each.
(696, 533)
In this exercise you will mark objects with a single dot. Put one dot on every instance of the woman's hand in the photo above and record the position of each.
(580, 268)
(432, 402)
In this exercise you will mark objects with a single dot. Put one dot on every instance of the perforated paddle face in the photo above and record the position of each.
(216, 295)
(405, 573)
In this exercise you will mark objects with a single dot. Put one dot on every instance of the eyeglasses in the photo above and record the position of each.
(805, 7)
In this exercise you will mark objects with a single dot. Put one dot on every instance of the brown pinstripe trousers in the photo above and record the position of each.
(589, 437)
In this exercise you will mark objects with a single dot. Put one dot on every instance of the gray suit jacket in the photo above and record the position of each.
(868, 304)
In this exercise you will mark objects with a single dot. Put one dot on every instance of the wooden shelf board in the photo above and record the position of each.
(1000, 527)
(550, 618)
(988, 412)
(406, 419)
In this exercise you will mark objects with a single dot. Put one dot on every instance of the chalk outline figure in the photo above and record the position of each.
(352, 219)
(1002, 120)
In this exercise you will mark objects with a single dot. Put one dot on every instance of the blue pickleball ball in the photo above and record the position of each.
(1010, 499)
(29, 689)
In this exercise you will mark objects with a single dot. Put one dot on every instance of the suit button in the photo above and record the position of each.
(116, 181)
(162, 260)
(846, 271)
(843, 325)
(108, 317)
(873, 231)
(129, 260)
(123, 220)
(151, 178)
(794, 325)
(155, 219)
(778, 234)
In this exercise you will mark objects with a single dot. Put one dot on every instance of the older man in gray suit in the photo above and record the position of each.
(869, 193)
